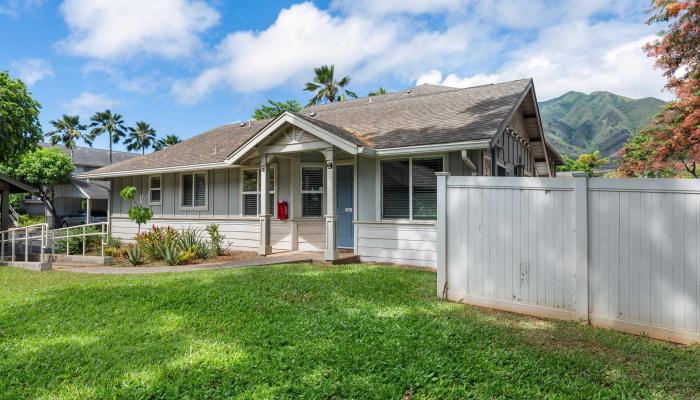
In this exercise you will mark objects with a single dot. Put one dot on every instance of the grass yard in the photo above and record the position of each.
(303, 331)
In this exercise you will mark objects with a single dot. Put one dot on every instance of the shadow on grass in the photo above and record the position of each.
(305, 332)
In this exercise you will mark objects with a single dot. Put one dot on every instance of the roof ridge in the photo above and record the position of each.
(450, 90)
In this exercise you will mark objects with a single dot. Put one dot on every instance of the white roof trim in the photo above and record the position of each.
(471, 144)
(179, 168)
(290, 118)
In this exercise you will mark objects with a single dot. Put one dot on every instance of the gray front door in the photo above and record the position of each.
(344, 206)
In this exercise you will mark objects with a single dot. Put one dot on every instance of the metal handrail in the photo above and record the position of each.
(10, 236)
(102, 233)
(12, 233)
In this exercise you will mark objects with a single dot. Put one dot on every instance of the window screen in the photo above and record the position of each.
(395, 189)
(194, 189)
(187, 190)
(154, 189)
(425, 187)
(312, 191)
(250, 192)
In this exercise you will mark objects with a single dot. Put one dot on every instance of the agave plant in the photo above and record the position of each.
(133, 255)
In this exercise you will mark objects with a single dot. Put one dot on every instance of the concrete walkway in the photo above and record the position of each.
(253, 262)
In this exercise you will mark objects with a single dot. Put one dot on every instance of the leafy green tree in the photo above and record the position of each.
(275, 109)
(326, 89)
(110, 123)
(140, 137)
(43, 169)
(19, 119)
(138, 213)
(67, 131)
(381, 90)
(165, 142)
(584, 163)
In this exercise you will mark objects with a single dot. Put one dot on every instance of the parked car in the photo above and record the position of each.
(80, 218)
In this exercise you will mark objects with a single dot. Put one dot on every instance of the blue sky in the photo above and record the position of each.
(186, 66)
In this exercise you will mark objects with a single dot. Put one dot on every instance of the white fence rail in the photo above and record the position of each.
(20, 244)
(622, 254)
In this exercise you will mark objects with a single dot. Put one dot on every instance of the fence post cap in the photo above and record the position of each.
(579, 174)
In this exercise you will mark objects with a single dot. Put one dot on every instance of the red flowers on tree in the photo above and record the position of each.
(674, 135)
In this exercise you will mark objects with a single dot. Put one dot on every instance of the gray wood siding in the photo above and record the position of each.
(398, 243)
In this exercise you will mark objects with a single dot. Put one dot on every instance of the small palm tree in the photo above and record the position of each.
(140, 137)
(67, 131)
(381, 90)
(167, 141)
(112, 124)
(326, 88)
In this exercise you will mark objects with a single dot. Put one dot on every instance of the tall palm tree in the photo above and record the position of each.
(326, 88)
(381, 90)
(67, 131)
(140, 137)
(167, 141)
(112, 124)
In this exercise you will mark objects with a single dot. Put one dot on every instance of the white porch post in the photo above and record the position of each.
(264, 247)
(88, 207)
(331, 219)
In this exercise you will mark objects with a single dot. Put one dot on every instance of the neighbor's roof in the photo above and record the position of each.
(91, 157)
(423, 115)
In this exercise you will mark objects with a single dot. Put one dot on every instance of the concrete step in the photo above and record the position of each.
(69, 265)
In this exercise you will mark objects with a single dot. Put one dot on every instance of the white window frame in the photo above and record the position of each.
(273, 191)
(322, 166)
(152, 189)
(206, 191)
(380, 189)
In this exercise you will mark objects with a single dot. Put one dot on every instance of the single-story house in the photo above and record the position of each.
(356, 175)
(79, 195)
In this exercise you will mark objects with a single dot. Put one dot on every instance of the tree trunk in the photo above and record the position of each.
(52, 209)
(110, 148)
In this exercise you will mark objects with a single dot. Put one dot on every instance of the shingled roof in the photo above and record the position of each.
(423, 115)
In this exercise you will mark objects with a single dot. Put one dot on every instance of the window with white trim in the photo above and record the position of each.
(155, 183)
(250, 190)
(312, 191)
(409, 188)
(193, 190)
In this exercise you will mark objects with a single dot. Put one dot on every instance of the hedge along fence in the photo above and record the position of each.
(617, 253)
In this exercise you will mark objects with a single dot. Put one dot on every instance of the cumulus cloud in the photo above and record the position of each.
(385, 7)
(32, 70)
(577, 56)
(88, 103)
(14, 8)
(304, 37)
(107, 29)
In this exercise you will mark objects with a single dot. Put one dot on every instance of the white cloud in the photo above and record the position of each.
(304, 37)
(577, 56)
(32, 70)
(107, 29)
(14, 8)
(384, 7)
(88, 103)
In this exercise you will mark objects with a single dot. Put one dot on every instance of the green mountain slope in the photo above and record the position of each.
(581, 123)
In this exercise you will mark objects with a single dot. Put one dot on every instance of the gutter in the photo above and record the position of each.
(148, 171)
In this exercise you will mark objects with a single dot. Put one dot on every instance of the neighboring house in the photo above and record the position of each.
(79, 194)
(356, 175)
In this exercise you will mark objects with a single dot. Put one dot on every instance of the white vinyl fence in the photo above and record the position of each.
(617, 253)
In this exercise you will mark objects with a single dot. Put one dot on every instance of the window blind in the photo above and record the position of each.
(425, 187)
(187, 193)
(312, 191)
(395, 189)
(250, 204)
(200, 190)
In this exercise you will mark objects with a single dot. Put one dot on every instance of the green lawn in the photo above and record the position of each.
(306, 332)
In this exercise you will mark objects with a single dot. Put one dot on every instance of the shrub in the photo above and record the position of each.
(216, 239)
(154, 241)
(188, 238)
(133, 255)
(26, 220)
(201, 251)
(171, 255)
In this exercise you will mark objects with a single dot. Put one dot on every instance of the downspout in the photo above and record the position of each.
(468, 161)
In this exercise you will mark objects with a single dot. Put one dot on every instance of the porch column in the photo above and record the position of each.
(264, 247)
(88, 211)
(331, 219)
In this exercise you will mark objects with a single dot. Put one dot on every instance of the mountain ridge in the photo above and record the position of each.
(579, 123)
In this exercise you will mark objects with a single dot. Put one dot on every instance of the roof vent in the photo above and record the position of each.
(244, 124)
(409, 91)
(313, 114)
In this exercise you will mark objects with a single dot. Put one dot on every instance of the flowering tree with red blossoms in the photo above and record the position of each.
(674, 135)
